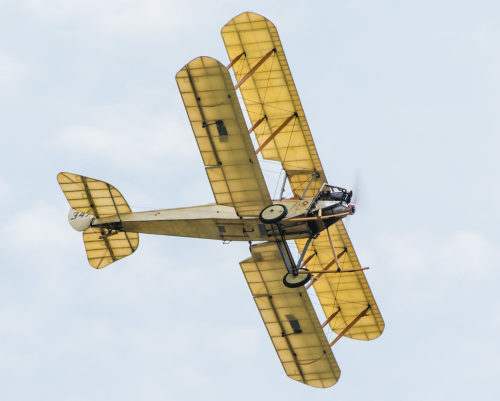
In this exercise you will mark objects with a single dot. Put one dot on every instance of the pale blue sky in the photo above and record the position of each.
(402, 99)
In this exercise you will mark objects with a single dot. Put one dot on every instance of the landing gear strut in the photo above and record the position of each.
(295, 277)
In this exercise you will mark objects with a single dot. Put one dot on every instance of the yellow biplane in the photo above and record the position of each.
(244, 210)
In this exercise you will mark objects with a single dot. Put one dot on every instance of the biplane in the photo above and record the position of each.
(244, 211)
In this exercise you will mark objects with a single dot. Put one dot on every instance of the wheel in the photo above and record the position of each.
(299, 280)
(273, 213)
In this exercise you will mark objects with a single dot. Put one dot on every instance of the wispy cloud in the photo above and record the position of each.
(140, 145)
(5, 190)
(422, 252)
(12, 70)
(114, 17)
(37, 233)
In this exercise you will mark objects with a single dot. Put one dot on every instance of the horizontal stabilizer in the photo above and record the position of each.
(98, 198)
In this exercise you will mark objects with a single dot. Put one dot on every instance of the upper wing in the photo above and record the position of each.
(344, 295)
(290, 319)
(272, 101)
(222, 136)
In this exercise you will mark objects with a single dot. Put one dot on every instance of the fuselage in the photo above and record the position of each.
(220, 222)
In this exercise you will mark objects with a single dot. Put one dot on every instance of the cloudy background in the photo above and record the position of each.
(402, 99)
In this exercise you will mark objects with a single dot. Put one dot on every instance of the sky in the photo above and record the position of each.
(402, 99)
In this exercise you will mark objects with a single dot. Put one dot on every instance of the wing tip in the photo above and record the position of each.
(249, 15)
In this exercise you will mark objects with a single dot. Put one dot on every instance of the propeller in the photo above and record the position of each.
(356, 188)
(355, 194)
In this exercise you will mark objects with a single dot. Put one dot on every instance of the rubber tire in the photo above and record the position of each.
(297, 284)
(275, 219)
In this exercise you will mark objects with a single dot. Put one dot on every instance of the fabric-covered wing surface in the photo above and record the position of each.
(222, 136)
(100, 199)
(290, 319)
(270, 93)
(349, 292)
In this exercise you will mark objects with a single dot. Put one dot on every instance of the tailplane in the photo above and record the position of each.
(90, 200)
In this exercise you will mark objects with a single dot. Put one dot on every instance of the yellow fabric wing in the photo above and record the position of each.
(345, 292)
(222, 136)
(270, 97)
(99, 199)
(270, 93)
(290, 319)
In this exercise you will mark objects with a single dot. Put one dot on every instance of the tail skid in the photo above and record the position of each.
(90, 199)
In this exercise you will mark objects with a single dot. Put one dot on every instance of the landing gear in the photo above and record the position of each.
(299, 280)
(296, 276)
(273, 213)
